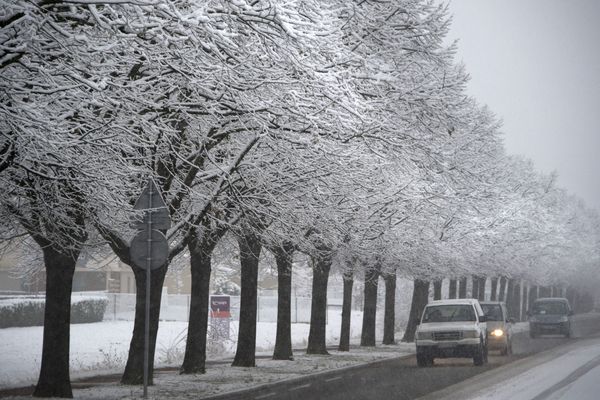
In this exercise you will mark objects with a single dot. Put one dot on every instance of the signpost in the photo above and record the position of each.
(220, 312)
(149, 249)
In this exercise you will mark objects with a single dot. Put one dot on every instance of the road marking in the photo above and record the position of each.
(299, 387)
(264, 396)
(578, 373)
(333, 379)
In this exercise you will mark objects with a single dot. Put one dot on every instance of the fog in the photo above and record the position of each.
(536, 63)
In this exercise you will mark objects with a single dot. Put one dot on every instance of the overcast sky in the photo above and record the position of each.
(536, 64)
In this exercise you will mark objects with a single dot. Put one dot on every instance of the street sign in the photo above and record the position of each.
(149, 248)
(220, 306)
(220, 313)
(154, 209)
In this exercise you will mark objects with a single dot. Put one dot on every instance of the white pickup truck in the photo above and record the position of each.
(452, 328)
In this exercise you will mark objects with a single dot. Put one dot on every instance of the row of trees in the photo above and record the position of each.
(340, 130)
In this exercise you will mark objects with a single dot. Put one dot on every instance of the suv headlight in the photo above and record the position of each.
(497, 333)
(424, 335)
(470, 334)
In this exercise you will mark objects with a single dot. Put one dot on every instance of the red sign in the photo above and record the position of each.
(220, 306)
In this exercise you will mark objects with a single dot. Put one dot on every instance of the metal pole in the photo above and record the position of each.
(148, 277)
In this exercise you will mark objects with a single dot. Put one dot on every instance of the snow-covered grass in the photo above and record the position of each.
(101, 348)
(223, 378)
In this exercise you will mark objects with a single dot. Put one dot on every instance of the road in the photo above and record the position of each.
(567, 372)
(400, 378)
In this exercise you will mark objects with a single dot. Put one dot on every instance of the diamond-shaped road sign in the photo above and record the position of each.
(149, 248)
(154, 207)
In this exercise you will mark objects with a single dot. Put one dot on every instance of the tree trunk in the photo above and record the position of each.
(575, 304)
(452, 294)
(389, 320)
(54, 379)
(502, 292)
(533, 293)
(517, 300)
(475, 287)
(419, 301)
(318, 310)
(524, 302)
(437, 290)
(283, 338)
(200, 250)
(462, 288)
(482, 283)
(510, 286)
(494, 294)
(346, 312)
(134, 369)
(588, 302)
(570, 296)
(545, 291)
(245, 354)
(367, 337)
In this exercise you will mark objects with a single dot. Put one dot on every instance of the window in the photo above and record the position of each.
(550, 308)
(493, 312)
(449, 313)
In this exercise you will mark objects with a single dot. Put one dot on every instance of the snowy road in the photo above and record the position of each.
(567, 372)
(457, 379)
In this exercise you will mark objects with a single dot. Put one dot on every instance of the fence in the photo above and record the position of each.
(176, 307)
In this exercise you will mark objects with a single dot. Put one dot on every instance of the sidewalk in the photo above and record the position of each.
(221, 378)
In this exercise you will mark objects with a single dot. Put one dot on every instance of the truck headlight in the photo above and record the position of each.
(497, 332)
(424, 335)
(470, 334)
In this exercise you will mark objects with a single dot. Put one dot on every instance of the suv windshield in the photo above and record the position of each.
(550, 307)
(449, 313)
(493, 312)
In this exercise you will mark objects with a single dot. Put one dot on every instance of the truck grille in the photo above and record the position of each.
(441, 336)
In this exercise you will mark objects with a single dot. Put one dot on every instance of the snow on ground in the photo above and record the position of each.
(531, 383)
(224, 378)
(584, 388)
(101, 348)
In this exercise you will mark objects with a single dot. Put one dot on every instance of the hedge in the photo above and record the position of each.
(19, 311)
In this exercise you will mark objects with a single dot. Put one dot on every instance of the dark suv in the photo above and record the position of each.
(550, 315)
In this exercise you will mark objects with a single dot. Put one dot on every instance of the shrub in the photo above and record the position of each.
(88, 310)
(23, 311)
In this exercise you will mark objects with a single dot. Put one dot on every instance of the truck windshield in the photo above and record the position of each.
(550, 307)
(493, 312)
(449, 313)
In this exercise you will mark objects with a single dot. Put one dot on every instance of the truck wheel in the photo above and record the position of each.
(485, 354)
(479, 356)
(507, 350)
(532, 333)
(422, 360)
